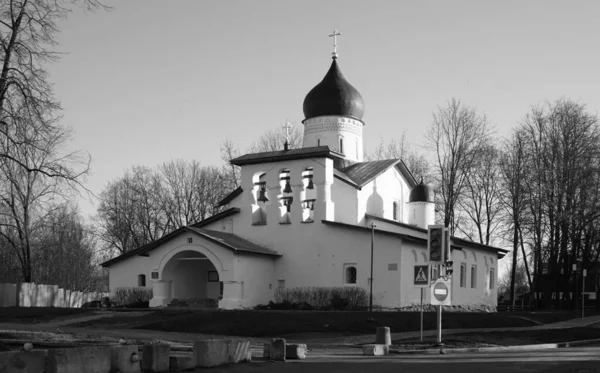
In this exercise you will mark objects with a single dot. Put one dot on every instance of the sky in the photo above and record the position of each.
(153, 81)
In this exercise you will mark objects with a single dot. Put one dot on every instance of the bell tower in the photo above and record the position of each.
(333, 112)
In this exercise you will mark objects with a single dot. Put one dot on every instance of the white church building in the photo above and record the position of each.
(303, 217)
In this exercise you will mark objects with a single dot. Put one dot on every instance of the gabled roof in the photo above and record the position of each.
(286, 155)
(227, 240)
(362, 173)
(230, 197)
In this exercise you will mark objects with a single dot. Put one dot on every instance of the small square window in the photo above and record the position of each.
(154, 275)
(190, 240)
(213, 276)
(281, 284)
(350, 274)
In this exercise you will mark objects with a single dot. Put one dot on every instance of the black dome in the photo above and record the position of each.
(420, 193)
(333, 96)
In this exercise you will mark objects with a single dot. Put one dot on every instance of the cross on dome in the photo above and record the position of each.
(335, 34)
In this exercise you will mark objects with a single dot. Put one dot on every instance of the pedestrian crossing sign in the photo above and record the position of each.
(421, 277)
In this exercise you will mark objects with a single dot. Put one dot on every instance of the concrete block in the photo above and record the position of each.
(155, 357)
(79, 359)
(22, 361)
(277, 349)
(125, 359)
(239, 351)
(383, 336)
(8, 295)
(178, 363)
(267, 351)
(295, 351)
(211, 352)
(376, 350)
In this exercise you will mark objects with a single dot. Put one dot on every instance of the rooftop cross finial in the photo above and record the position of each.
(335, 34)
(287, 127)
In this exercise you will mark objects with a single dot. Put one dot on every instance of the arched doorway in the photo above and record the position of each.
(193, 280)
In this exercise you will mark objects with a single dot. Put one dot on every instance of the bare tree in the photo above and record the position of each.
(400, 149)
(455, 135)
(480, 201)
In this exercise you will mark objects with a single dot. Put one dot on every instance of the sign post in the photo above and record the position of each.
(421, 280)
(583, 293)
(440, 295)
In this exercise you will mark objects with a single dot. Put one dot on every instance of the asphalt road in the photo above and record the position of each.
(572, 360)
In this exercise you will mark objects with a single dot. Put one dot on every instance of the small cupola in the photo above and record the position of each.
(420, 193)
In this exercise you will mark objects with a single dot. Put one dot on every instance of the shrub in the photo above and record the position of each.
(323, 298)
(131, 297)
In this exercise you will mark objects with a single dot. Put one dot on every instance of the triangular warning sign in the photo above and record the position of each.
(421, 276)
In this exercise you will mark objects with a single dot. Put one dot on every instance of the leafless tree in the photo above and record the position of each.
(455, 136)
(400, 149)
(273, 140)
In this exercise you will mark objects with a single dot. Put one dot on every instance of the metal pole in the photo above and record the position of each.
(439, 325)
(421, 314)
(371, 285)
(582, 293)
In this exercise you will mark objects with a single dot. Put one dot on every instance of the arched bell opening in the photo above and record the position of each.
(308, 195)
(285, 196)
(193, 280)
(259, 194)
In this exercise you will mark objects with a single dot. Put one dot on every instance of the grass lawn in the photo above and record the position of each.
(249, 323)
(36, 315)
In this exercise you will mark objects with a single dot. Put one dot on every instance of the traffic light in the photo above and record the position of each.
(436, 242)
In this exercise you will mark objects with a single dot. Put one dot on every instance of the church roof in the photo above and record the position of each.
(286, 155)
(362, 173)
(230, 197)
(227, 240)
(334, 96)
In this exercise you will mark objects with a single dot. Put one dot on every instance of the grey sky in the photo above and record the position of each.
(153, 81)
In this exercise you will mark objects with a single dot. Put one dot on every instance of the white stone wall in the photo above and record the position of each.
(377, 197)
(125, 273)
(481, 294)
(328, 130)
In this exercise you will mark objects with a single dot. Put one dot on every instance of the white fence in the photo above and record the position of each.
(33, 295)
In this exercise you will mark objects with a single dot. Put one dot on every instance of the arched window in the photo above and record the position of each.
(318, 142)
(350, 275)
(341, 145)
(141, 280)
(395, 211)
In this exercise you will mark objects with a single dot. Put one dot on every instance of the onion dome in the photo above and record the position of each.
(333, 96)
(419, 193)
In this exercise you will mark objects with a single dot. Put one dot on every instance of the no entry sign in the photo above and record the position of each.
(440, 293)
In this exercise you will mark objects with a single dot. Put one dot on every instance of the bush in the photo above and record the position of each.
(322, 298)
(131, 297)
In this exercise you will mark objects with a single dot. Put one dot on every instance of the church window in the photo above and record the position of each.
(318, 142)
(141, 280)
(492, 279)
(395, 210)
(341, 145)
(190, 240)
(463, 275)
(281, 284)
(473, 276)
(350, 274)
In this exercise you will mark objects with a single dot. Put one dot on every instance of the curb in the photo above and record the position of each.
(544, 346)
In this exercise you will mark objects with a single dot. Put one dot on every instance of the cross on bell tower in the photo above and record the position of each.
(287, 127)
(334, 35)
